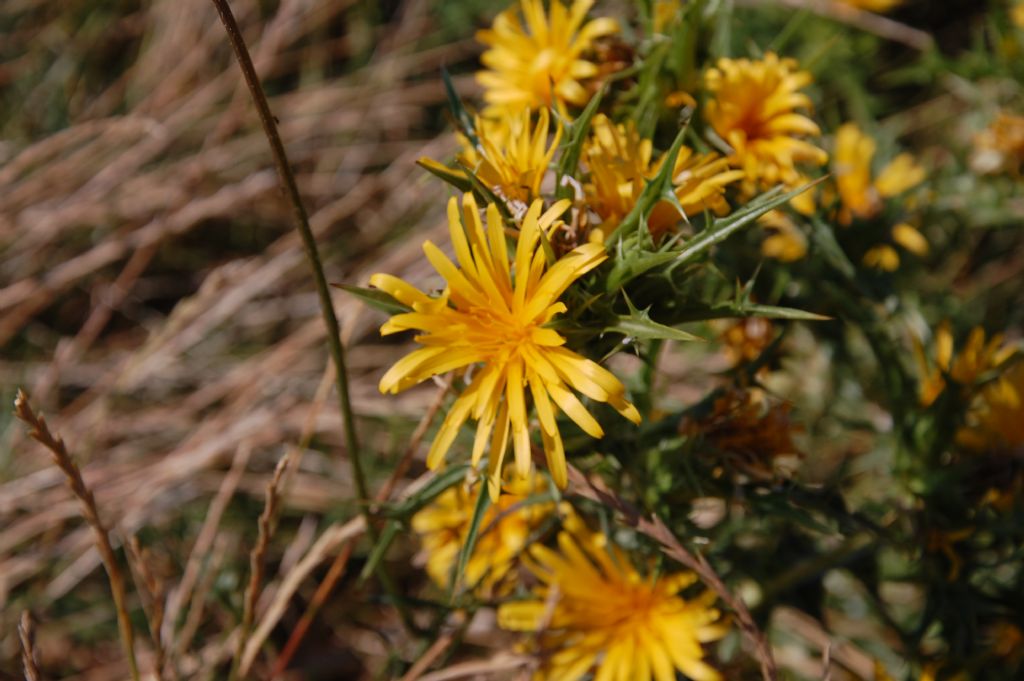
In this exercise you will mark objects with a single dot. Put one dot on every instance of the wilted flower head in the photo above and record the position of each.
(751, 432)
(540, 64)
(511, 156)
(594, 610)
(493, 315)
(755, 110)
(619, 162)
(504, 532)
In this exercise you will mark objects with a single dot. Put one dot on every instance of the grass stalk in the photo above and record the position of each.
(291, 190)
(26, 633)
(334, 343)
(40, 432)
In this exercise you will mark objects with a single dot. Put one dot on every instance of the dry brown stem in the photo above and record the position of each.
(40, 432)
(152, 588)
(26, 634)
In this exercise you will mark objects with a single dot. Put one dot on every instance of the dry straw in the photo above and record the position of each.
(40, 432)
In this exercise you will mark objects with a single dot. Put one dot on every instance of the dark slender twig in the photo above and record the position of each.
(654, 528)
(40, 432)
(291, 190)
(334, 343)
(26, 632)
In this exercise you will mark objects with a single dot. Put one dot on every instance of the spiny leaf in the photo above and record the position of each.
(652, 192)
(577, 135)
(645, 328)
(629, 267)
(375, 298)
(638, 324)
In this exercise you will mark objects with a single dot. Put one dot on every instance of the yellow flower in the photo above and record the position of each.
(493, 313)
(539, 65)
(593, 608)
(504, 532)
(619, 161)
(1017, 14)
(511, 158)
(851, 166)
(784, 242)
(1000, 148)
(974, 359)
(995, 419)
(874, 5)
(754, 110)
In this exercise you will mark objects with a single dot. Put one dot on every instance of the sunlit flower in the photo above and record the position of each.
(619, 162)
(753, 434)
(593, 609)
(784, 240)
(505, 530)
(754, 109)
(995, 418)
(975, 358)
(1000, 147)
(861, 194)
(540, 64)
(874, 5)
(492, 316)
(510, 157)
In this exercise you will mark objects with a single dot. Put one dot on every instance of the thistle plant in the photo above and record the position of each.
(696, 352)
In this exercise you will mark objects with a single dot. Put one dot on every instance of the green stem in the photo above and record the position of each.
(334, 344)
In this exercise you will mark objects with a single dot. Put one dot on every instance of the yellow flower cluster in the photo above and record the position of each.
(620, 165)
(594, 612)
(493, 314)
(538, 61)
(755, 110)
(505, 530)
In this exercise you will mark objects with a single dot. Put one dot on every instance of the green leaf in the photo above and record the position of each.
(648, 329)
(449, 175)
(380, 549)
(432, 490)
(483, 502)
(638, 324)
(652, 193)
(462, 117)
(375, 298)
(628, 268)
(577, 135)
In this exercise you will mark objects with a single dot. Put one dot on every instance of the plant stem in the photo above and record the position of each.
(291, 190)
(334, 344)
